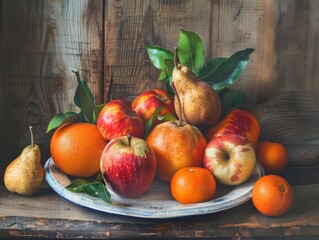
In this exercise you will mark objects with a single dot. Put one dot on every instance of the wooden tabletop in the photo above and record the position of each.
(47, 215)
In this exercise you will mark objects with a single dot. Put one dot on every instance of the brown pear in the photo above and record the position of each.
(200, 103)
(25, 174)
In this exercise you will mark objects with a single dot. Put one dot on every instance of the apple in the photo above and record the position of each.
(117, 119)
(231, 158)
(238, 121)
(128, 165)
(176, 145)
(147, 102)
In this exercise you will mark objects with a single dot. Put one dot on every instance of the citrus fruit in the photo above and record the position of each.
(76, 149)
(272, 195)
(272, 156)
(176, 145)
(193, 185)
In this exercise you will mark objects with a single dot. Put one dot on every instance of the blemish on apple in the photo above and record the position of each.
(245, 150)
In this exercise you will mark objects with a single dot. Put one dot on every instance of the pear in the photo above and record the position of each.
(201, 105)
(25, 174)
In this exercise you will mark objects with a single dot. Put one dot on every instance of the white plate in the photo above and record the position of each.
(155, 203)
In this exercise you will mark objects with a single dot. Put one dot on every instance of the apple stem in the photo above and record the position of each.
(129, 137)
(179, 104)
(31, 132)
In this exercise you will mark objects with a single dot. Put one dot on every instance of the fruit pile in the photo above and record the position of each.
(185, 135)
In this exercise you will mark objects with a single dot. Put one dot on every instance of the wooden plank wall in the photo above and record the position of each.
(42, 41)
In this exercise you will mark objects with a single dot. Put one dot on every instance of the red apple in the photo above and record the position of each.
(147, 102)
(128, 165)
(238, 121)
(117, 119)
(231, 158)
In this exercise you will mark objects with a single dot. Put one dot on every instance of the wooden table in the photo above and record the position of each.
(47, 215)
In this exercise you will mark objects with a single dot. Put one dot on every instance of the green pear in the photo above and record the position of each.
(200, 103)
(25, 174)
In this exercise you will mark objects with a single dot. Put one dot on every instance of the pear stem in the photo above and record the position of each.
(31, 132)
(179, 104)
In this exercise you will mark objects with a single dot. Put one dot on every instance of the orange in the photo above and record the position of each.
(272, 195)
(193, 185)
(176, 145)
(272, 156)
(76, 149)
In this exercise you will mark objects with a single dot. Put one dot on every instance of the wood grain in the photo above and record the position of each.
(41, 43)
(47, 215)
(129, 27)
(290, 114)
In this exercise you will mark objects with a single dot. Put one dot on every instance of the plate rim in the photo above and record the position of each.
(97, 204)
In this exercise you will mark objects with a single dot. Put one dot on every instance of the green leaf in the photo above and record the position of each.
(162, 76)
(168, 86)
(99, 107)
(209, 67)
(94, 189)
(82, 86)
(157, 56)
(191, 50)
(149, 123)
(228, 71)
(167, 117)
(88, 107)
(82, 89)
(84, 99)
(77, 185)
(232, 100)
(169, 64)
(102, 192)
(62, 118)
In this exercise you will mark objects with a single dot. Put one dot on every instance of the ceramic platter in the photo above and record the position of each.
(157, 202)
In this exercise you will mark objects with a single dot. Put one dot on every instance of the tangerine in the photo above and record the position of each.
(193, 185)
(76, 148)
(272, 156)
(272, 195)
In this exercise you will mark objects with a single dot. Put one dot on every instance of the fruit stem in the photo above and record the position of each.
(176, 60)
(31, 132)
(129, 137)
(179, 104)
(77, 76)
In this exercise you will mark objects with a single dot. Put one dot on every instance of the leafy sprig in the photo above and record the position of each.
(156, 115)
(94, 188)
(83, 99)
(221, 72)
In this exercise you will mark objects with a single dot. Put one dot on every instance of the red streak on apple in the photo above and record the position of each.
(232, 139)
(128, 166)
(117, 118)
(245, 150)
(147, 102)
(231, 158)
(125, 177)
(239, 123)
(235, 176)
